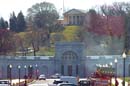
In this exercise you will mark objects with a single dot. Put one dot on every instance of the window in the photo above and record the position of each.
(69, 55)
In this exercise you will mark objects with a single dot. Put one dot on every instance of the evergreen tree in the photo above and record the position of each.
(6, 24)
(13, 22)
(21, 24)
(3, 23)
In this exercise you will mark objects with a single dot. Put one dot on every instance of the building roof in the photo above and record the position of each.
(75, 11)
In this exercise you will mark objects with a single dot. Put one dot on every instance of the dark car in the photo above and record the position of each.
(57, 81)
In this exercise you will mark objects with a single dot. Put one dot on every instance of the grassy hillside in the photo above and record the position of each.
(71, 33)
(94, 44)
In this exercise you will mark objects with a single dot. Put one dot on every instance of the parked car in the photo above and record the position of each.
(84, 83)
(58, 81)
(57, 75)
(42, 77)
(69, 79)
(4, 83)
(66, 84)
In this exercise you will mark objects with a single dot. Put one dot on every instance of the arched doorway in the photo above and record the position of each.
(70, 70)
(69, 59)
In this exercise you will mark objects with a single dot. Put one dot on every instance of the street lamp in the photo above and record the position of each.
(124, 57)
(30, 71)
(10, 67)
(36, 71)
(19, 73)
(25, 67)
(106, 65)
(110, 74)
(110, 64)
(115, 71)
(25, 75)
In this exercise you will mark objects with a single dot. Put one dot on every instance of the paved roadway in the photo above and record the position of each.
(47, 82)
(120, 82)
(14, 81)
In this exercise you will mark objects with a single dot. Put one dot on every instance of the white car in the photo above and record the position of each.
(66, 84)
(42, 77)
(4, 83)
(57, 75)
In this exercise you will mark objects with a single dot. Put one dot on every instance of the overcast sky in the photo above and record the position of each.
(8, 6)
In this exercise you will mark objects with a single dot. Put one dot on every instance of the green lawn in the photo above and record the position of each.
(127, 79)
(42, 52)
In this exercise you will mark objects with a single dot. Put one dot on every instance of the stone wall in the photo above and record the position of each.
(69, 59)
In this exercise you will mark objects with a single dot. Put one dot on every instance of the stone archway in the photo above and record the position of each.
(69, 59)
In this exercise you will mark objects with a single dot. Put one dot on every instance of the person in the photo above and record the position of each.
(117, 83)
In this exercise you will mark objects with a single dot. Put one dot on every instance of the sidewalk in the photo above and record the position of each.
(14, 81)
(120, 82)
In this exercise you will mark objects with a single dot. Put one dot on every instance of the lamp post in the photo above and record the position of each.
(115, 71)
(110, 64)
(124, 57)
(36, 71)
(25, 75)
(110, 75)
(30, 71)
(10, 67)
(19, 73)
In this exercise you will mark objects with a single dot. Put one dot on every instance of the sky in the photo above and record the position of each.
(8, 6)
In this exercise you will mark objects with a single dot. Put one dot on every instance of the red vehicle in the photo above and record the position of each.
(100, 82)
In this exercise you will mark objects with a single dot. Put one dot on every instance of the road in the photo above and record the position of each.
(120, 82)
(14, 81)
(47, 82)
